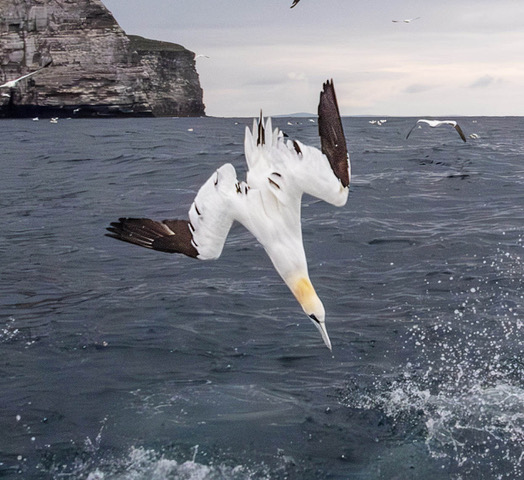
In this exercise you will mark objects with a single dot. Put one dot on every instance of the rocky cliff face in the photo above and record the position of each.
(96, 68)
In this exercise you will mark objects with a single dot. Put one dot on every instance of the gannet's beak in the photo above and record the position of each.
(321, 326)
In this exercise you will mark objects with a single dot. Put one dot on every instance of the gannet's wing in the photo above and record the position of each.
(431, 123)
(289, 168)
(27, 75)
(459, 130)
(331, 133)
(171, 236)
(211, 215)
(12, 83)
(294, 3)
(412, 128)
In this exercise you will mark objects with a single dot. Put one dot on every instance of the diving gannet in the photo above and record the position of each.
(268, 203)
(438, 123)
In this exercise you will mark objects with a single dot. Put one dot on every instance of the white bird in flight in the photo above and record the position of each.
(406, 20)
(438, 123)
(13, 83)
(268, 203)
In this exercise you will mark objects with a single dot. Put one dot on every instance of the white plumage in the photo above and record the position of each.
(268, 203)
(406, 20)
(14, 82)
(438, 123)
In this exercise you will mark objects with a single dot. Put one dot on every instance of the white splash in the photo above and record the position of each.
(147, 464)
(465, 381)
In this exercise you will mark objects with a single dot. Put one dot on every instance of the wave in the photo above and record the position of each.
(462, 389)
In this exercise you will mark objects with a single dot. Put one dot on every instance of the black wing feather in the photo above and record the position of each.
(460, 132)
(171, 236)
(331, 133)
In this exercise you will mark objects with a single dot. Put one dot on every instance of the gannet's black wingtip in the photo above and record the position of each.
(261, 140)
(170, 236)
(460, 132)
(332, 139)
(412, 128)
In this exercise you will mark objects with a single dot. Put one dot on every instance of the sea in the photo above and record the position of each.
(118, 362)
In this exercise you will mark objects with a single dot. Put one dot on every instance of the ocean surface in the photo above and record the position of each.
(118, 362)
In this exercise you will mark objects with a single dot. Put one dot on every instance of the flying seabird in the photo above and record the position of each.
(268, 203)
(295, 2)
(406, 20)
(438, 123)
(13, 83)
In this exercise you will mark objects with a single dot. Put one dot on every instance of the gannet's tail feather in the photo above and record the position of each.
(289, 168)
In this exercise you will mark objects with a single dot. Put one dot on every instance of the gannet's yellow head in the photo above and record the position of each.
(311, 304)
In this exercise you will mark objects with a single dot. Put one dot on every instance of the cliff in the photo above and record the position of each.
(96, 68)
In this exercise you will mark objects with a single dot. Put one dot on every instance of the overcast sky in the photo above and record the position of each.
(461, 57)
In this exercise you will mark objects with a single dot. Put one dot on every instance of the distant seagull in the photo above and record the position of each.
(438, 123)
(268, 203)
(407, 20)
(201, 56)
(295, 2)
(13, 83)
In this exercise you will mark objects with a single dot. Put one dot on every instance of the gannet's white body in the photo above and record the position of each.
(268, 203)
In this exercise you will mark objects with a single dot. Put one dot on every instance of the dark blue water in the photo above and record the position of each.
(118, 362)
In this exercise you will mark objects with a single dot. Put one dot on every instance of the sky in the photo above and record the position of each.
(461, 57)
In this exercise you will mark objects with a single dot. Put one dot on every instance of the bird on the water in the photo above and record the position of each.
(268, 203)
(438, 123)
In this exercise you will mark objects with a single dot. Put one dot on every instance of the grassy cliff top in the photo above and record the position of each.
(146, 44)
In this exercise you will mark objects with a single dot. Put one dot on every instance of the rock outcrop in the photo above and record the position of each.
(96, 69)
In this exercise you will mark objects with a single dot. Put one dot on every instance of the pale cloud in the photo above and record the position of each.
(418, 88)
(484, 81)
